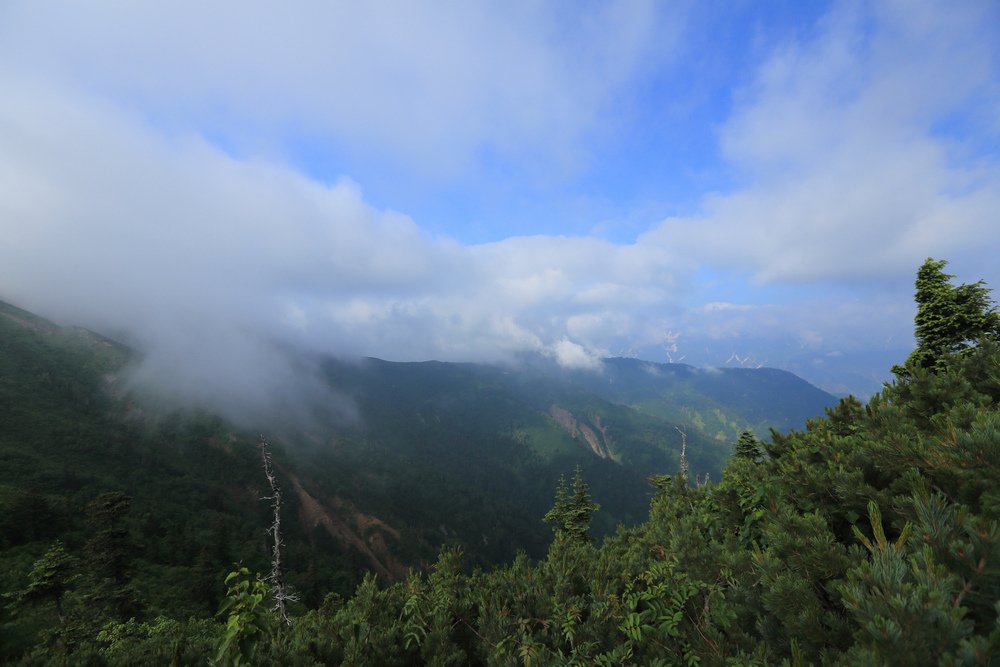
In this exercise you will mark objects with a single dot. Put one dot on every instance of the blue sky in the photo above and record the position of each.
(745, 183)
(652, 151)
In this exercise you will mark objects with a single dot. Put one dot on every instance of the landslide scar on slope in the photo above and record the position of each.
(375, 549)
(598, 445)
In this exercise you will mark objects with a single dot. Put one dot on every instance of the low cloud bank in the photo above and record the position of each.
(119, 212)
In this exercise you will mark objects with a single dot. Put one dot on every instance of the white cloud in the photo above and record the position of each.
(199, 256)
(852, 149)
(427, 84)
(717, 306)
(142, 189)
(573, 355)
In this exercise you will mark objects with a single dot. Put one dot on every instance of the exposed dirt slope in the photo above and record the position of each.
(597, 443)
(362, 532)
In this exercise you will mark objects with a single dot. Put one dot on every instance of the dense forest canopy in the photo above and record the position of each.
(869, 537)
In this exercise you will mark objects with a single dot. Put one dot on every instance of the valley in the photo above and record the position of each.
(439, 454)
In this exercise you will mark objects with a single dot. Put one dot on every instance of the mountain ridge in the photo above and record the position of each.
(439, 454)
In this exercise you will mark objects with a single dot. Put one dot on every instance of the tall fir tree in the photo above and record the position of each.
(949, 318)
(748, 446)
(573, 508)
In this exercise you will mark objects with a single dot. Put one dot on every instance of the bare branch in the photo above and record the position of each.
(684, 461)
(279, 589)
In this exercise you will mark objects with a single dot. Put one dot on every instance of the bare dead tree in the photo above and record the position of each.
(684, 461)
(279, 588)
(670, 346)
(746, 362)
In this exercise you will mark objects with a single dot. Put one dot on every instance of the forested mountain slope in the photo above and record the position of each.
(871, 537)
(149, 509)
(720, 402)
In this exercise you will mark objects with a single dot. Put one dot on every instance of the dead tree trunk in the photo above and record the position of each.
(279, 589)
(684, 461)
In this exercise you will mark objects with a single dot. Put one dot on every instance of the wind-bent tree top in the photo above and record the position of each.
(949, 318)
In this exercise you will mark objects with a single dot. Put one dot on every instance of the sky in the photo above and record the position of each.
(716, 183)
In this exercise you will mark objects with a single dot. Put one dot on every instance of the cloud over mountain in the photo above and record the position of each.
(165, 176)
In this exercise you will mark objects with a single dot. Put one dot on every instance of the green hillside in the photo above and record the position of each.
(720, 402)
(869, 538)
(440, 455)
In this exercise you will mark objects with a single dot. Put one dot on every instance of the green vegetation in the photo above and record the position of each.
(571, 514)
(111, 510)
(718, 402)
(870, 537)
(950, 318)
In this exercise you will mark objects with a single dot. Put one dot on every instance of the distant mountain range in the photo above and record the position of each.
(439, 453)
(719, 402)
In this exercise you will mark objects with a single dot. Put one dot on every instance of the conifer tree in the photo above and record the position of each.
(50, 578)
(949, 318)
(571, 513)
(110, 552)
(748, 446)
